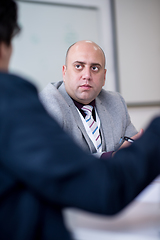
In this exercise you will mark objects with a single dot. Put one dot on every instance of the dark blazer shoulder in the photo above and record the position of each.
(14, 82)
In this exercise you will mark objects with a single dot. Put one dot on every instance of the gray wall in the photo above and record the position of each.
(138, 49)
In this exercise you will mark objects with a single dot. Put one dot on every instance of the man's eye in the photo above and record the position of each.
(78, 66)
(95, 69)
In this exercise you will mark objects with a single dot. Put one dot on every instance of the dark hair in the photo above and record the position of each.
(8, 21)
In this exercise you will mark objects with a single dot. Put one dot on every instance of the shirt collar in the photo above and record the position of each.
(80, 105)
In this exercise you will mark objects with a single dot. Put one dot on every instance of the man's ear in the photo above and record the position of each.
(105, 71)
(64, 72)
(5, 54)
(2, 54)
(1, 49)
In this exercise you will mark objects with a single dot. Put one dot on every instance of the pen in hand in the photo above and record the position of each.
(123, 144)
(128, 139)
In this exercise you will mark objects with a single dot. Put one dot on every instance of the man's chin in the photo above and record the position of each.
(85, 100)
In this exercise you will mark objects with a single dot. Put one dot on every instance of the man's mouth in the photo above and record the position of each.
(85, 86)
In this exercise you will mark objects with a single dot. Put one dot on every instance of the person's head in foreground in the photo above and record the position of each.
(8, 29)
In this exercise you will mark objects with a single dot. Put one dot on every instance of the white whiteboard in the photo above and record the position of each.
(47, 31)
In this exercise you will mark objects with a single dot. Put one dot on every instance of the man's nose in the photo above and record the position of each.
(87, 73)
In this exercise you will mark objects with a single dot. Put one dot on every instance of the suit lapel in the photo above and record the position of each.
(76, 116)
(106, 126)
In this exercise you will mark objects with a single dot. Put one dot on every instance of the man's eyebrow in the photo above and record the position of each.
(80, 62)
(98, 64)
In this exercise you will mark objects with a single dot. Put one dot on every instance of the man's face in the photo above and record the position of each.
(84, 73)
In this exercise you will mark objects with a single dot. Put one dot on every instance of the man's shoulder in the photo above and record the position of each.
(16, 91)
(58, 84)
(52, 88)
(14, 82)
(111, 100)
(106, 95)
(54, 94)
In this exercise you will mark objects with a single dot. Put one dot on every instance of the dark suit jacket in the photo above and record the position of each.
(38, 179)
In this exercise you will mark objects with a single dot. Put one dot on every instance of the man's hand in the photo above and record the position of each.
(127, 144)
(136, 136)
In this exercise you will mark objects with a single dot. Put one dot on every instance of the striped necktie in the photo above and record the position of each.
(92, 125)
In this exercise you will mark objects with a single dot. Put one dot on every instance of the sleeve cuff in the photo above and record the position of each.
(106, 155)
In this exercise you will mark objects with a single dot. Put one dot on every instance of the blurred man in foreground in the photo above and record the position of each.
(37, 179)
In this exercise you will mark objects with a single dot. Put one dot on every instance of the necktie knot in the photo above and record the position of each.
(88, 111)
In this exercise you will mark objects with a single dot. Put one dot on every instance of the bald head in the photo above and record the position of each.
(82, 45)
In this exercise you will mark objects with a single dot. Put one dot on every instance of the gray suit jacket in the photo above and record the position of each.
(110, 106)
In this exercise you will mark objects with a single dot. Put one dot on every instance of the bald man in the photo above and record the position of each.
(84, 75)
